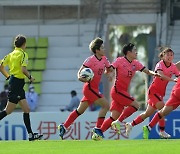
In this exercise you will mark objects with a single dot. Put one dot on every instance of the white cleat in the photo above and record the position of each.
(128, 128)
(164, 135)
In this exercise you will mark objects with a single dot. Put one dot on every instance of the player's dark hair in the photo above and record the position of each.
(19, 40)
(95, 44)
(127, 47)
(164, 50)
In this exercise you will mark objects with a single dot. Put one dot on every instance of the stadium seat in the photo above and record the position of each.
(30, 64)
(42, 42)
(37, 87)
(37, 75)
(31, 53)
(31, 42)
(41, 53)
(39, 64)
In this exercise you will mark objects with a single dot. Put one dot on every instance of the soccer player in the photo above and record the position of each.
(157, 90)
(172, 103)
(125, 70)
(17, 62)
(99, 64)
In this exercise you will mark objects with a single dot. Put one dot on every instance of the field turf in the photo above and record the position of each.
(91, 147)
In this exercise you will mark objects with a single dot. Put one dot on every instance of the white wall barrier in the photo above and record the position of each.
(12, 126)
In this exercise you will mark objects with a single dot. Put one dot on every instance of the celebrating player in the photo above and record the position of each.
(156, 91)
(17, 62)
(98, 64)
(125, 69)
(172, 103)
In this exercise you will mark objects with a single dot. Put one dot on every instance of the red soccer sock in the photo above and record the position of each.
(155, 120)
(99, 122)
(72, 117)
(107, 124)
(127, 112)
(137, 121)
(162, 124)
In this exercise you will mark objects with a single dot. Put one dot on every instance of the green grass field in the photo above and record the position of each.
(91, 147)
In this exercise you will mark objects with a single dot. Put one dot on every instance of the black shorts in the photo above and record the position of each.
(16, 91)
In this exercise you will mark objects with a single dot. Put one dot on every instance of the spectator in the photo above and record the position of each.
(32, 98)
(74, 103)
(4, 97)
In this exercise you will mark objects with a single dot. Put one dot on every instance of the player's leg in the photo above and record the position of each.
(134, 106)
(162, 133)
(97, 132)
(8, 110)
(26, 117)
(163, 112)
(102, 113)
(72, 117)
(139, 119)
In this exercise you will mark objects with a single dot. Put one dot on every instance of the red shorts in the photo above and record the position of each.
(174, 99)
(154, 98)
(90, 94)
(120, 99)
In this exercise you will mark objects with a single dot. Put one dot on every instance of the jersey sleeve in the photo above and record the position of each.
(87, 62)
(5, 60)
(107, 63)
(158, 67)
(176, 71)
(115, 63)
(24, 60)
(139, 66)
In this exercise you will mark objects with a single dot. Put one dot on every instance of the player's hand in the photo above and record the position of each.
(110, 76)
(84, 78)
(175, 80)
(31, 79)
(157, 75)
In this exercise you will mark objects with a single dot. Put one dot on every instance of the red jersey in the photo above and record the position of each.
(125, 70)
(98, 67)
(158, 85)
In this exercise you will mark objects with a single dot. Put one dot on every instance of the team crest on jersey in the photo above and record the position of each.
(133, 67)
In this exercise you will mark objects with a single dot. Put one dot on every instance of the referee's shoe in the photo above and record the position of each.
(35, 136)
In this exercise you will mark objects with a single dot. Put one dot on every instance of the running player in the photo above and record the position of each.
(17, 62)
(125, 70)
(98, 63)
(157, 90)
(172, 103)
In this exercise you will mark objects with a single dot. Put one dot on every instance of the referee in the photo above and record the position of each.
(17, 62)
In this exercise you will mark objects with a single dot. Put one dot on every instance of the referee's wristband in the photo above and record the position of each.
(8, 78)
(30, 77)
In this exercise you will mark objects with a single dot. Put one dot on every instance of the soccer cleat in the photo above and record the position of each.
(116, 126)
(145, 132)
(97, 134)
(128, 128)
(164, 135)
(62, 131)
(35, 136)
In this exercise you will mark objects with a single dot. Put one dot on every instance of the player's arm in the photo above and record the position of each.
(4, 72)
(27, 74)
(152, 73)
(164, 77)
(82, 78)
(178, 65)
(110, 72)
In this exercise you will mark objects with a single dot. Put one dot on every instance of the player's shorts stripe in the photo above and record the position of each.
(123, 95)
(93, 91)
(157, 97)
